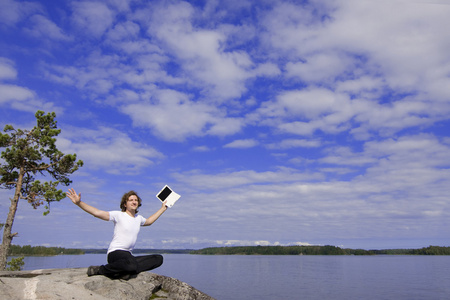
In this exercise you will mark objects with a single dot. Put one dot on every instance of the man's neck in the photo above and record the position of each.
(131, 213)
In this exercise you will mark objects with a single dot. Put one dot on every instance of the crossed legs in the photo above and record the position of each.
(122, 263)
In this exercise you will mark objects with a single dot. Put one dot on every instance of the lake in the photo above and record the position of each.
(227, 277)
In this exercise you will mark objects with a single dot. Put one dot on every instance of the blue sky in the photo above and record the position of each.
(279, 122)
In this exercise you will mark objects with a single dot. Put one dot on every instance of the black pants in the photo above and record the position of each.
(123, 262)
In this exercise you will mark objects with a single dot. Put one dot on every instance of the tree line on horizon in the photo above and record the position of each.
(317, 250)
(28, 250)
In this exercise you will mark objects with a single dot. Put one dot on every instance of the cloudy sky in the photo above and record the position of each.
(279, 122)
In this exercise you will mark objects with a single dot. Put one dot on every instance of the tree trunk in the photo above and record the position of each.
(7, 235)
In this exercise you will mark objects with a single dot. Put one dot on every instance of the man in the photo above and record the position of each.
(121, 263)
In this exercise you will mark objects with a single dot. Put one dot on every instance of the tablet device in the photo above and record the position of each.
(168, 194)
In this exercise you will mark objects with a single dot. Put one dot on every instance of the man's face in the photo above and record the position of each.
(132, 202)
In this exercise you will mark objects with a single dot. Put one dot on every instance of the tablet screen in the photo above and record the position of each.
(164, 193)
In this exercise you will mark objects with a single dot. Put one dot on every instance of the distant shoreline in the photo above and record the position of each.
(235, 250)
(317, 250)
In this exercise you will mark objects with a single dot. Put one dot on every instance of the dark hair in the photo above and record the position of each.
(125, 198)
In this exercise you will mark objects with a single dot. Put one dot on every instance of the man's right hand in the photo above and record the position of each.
(76, 198)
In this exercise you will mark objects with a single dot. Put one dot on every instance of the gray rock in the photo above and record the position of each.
(71, 284)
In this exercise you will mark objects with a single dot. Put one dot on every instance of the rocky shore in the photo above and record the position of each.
(71, 284)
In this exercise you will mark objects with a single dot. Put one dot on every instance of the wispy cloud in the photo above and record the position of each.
(92, 18)
(13, 12)
(247, 143)
(19, 97)
(108, 149)
(42, 28)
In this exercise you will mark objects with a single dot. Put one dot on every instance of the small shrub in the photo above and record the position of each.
(15, 264)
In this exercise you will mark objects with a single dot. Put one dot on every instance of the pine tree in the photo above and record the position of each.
(29, 156)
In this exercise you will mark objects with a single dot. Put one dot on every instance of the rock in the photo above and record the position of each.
(71, 284)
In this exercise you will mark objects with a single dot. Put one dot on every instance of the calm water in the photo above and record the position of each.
(294, 277)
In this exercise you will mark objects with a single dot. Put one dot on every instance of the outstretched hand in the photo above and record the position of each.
(164, 205)
(76, 198)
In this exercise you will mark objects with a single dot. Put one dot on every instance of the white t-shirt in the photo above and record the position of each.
(126, 229)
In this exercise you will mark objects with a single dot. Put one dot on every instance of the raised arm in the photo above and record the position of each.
(76, 199)
(150, 220)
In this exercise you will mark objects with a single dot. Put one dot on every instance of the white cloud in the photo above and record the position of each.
(13, 93)
(411, 164)
(108, 149)
(409, 41)
(174, 117)
(126, 30)
(194, 242)
(291, 29)
(7, 70)
(364, 87)
(266, 70)
(120, 5)
(202, 53)
(310, 103)
(10, 93)
(302, 112)
(92, 18)
(23, 99)
(18, 97)
(352, 53)
(243, 243)
(320, 67)
(345, 156)
(238, 179)
(242, 144)
(202, 148)
(295, 143)
(13, 12)
(43, 28)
